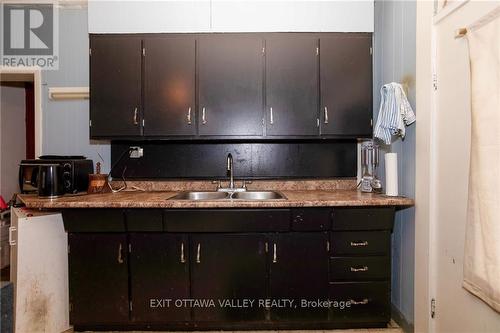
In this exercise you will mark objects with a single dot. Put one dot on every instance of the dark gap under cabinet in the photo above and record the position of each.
(146, 269)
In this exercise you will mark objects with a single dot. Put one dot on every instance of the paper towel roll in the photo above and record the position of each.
(391, 174)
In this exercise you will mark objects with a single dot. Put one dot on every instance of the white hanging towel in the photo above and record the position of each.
(482, 235)
(395, 112)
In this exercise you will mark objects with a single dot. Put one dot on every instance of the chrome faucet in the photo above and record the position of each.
(229, 171)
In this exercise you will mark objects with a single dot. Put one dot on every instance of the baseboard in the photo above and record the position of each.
(399, 318)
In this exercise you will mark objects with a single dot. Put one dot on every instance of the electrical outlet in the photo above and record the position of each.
(136, 152)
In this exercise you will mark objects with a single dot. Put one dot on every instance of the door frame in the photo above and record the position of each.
(425, 178)
(33, 75)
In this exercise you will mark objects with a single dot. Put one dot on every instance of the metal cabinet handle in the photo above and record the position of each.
(360, 269)
(364, 243)
(326, 115)
(136, 117)
(12, 241)
(364, 301)
(203, 116)
(198, 254)
(120, 258)
(275, 255)
(189, 116)
(271, 118)
(183, 258)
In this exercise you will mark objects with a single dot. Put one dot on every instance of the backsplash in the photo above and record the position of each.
(269, 160)
(257, 185)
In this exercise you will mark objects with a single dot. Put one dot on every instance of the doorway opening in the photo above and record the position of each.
(20, 108)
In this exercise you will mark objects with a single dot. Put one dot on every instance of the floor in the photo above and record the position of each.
(391, 328)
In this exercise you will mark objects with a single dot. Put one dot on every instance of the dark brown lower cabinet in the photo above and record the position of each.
(159, 277)
(98, 278)
(299, 272)
(228, 269)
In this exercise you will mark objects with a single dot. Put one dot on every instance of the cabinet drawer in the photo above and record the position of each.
(360, 242)
(144, 220)
(226, 220)
(363, 218)
(359, 268)
(93, 220)
(311, 219)
(360, 302)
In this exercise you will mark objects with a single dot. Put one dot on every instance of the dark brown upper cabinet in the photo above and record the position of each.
(115, 86)
(230, 85)
(169, 86)
(292, 85)
(346, 85)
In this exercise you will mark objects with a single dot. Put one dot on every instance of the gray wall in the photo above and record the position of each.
(394, 60)
(65, 123)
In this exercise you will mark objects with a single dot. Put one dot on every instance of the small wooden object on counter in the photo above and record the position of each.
(97, 181)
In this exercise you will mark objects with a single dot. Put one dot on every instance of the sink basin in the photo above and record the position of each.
(257, 195)
(201, 196)
(214, 195)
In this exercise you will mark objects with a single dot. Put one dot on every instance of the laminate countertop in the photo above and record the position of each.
(160, 199)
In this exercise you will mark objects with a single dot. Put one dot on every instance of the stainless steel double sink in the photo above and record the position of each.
(218, 195)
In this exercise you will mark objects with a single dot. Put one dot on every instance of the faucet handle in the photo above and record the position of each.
(244, 183)
(218, 182)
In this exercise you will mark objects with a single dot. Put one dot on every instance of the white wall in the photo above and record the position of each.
(449, 132)
(229, 16)
(394, 60)
(12, 136)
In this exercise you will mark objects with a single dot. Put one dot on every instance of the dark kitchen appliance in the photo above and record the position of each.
(50, 180)
(75, 171)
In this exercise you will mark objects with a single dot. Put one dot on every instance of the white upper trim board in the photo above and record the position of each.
(170, 16)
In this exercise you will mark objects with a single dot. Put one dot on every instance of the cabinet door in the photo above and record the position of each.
(115, 86)
(230, 85)
(159, 268)
(346, 85)
(169, 103)
(98, 278)
(292, 85)
(229, 267)
(299, 271)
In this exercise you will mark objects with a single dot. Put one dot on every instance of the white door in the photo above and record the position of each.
(456, 310)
